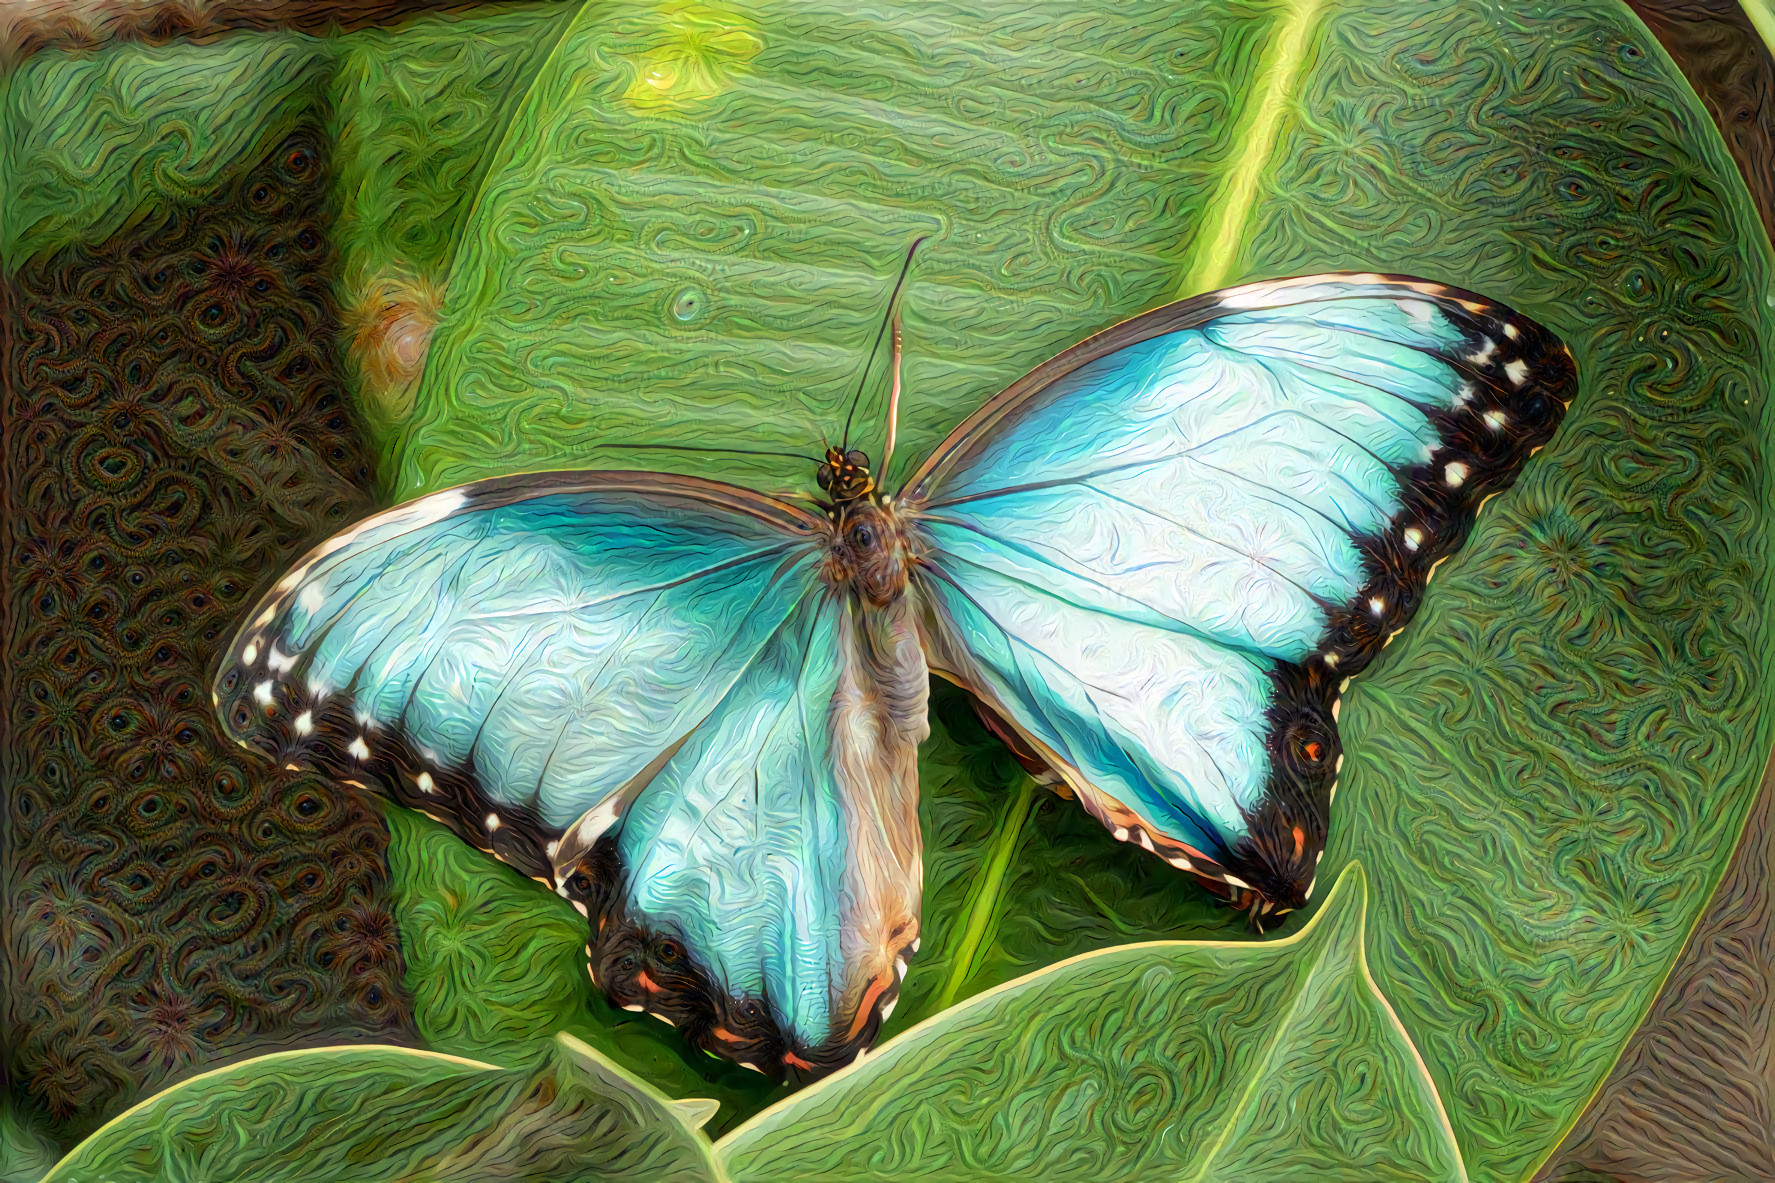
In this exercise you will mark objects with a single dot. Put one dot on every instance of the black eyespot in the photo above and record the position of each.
(626, 964)
(581, 883)
(863, 536)
(750, 1010)
(669, 951)
(308, 807)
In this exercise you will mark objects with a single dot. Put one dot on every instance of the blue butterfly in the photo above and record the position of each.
(695, 710)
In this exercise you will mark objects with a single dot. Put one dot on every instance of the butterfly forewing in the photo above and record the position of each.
(1160, 554)
(572, 669)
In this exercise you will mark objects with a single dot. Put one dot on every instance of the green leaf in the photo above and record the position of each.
(686, 237)
(1181, 1060)
(415, 113)
(96, 141)
(26, 1150)
(690, 228)
(370, 1113)
(496, 965)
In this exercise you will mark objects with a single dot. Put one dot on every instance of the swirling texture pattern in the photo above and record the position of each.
(628, 269)
(495, 961)
(174, 430)
(414, 113)
(1550, 766)
(1692, 1096)
(97, 142)
(377, 1113)
(1732, 69)
(1556, 758)
(1167, 1060)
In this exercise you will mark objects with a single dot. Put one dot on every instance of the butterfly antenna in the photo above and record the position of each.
(886, 316)
(712, 451)
(893, 415)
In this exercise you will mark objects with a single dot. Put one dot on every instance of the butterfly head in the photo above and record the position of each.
(845, 475)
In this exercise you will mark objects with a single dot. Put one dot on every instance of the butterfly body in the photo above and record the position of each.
(695, 709)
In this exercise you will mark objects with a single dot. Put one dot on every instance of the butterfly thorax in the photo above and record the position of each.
(868, 549)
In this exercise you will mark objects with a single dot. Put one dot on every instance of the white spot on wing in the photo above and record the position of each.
(312, 597)
(262, 692)
(1510, 331)
(1485, 351)
(1516, 371)
(304, 723)
(426, 784)
(278, 662)
(359, 748)
(1455, 474)
(1414, 538)
(492, 822)
(250, 654)
(1495, 420)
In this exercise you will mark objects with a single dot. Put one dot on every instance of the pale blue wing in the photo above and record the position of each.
(585, 673)
(1160, 554)
(764, 847)
(547, 636)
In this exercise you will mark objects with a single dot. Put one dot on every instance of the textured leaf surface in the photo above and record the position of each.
(688, 235)
(1183, 1060)
(416, 112)
(698, 211)
(496, 963)
(95, 142)
(367, 1113)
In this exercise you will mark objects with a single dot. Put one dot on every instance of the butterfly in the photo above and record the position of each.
(695, 709)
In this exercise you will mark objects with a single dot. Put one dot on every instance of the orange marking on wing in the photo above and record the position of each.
(726, 1036)
(792, 1058)
(1300, 841)
(868, 1004)
(646, 983)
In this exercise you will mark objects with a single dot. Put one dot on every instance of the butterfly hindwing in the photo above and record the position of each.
(569, 669)
(1161, 554)
(781, 839)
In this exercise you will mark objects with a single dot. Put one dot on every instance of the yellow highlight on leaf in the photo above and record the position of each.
(689, 56)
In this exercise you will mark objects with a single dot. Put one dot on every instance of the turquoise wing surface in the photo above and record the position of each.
(1161, 554)
(623, 684)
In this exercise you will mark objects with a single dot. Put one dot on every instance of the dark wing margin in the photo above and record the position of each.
(1515, 380)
